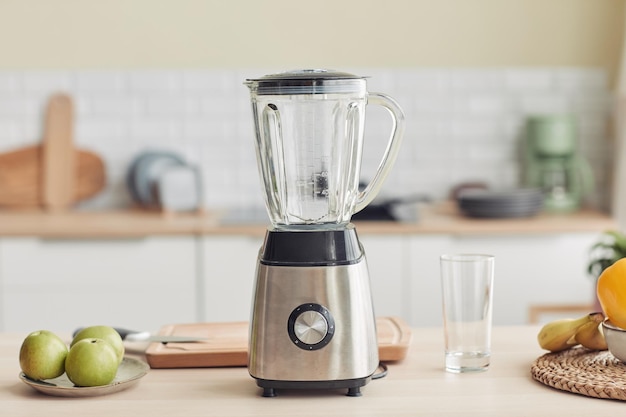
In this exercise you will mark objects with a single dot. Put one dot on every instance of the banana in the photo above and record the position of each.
(560, 334)
(590, 335)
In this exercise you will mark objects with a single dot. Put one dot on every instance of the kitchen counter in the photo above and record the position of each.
(416, 386)
(441, 218)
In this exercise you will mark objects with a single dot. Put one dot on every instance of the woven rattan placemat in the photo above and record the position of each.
(581, 371)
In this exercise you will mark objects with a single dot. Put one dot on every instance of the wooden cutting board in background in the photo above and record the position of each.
(227, 344)
(53, 175)
(58, 154)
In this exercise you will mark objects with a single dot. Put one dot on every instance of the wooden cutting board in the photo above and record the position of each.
(22, 172)
(227, 344)
(53, 175)
(58, 154)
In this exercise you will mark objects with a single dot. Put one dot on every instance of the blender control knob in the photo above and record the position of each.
(310, 326)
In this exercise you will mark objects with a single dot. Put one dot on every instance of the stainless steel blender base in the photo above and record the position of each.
(313, 327)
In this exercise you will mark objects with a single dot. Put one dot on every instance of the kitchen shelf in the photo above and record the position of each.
(440, 218)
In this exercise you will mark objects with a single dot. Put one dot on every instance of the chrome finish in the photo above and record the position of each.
(344, 291)
(311, 327)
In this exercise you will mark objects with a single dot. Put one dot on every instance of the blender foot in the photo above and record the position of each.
(269, 392)
(354, 392)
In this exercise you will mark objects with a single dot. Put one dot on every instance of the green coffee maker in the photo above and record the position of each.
(553, 162)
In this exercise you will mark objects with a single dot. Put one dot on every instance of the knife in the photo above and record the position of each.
(137, 336)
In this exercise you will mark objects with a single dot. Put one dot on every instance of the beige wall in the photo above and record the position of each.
(322, 33)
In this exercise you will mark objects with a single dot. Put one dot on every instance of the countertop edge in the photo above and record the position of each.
(435, 219)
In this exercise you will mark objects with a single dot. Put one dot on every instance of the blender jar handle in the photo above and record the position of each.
(391, 152)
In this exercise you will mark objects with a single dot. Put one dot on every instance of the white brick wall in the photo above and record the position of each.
(462, 124)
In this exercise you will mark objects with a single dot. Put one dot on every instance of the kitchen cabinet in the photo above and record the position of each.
(227, 276)
(529, 269)
(61, 284)
(145, 270)
(386, 260)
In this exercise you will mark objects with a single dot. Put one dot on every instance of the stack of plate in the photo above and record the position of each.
(524, 202)
(164, 180)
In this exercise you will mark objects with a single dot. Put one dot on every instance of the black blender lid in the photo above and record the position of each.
(307, 81)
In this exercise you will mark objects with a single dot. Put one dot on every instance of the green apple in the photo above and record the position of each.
(106, 333)
(91, 362)
(42, 355)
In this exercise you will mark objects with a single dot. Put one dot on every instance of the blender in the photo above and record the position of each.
(312, 322)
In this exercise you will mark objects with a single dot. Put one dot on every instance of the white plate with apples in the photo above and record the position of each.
(129, 373)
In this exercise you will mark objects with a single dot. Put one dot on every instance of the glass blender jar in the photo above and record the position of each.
(313, 323)
(309, 137)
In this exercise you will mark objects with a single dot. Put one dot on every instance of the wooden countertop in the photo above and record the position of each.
(417, 386)
(442, 218)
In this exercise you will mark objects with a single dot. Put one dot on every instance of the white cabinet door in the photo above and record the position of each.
(424, 287)
(529, 269)
(228, 276)
(61, 284)
(386, 261)
(545, 269)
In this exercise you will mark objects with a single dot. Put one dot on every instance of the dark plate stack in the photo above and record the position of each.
(522, 202)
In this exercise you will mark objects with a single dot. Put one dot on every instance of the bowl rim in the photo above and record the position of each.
(606, 323)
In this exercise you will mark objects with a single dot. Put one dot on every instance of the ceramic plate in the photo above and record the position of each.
(144, 171)
(523, 202)
(148, 172)
(128, 374)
